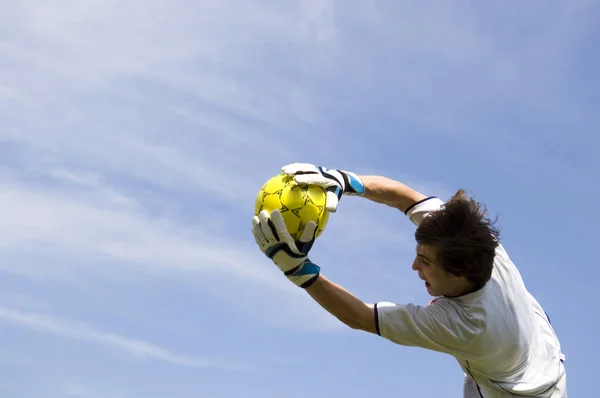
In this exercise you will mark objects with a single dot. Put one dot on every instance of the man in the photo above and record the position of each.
(481, 312)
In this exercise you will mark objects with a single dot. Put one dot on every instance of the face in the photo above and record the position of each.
(437, 281)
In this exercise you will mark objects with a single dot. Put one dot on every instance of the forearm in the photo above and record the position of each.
(390, 192)
(342, 304)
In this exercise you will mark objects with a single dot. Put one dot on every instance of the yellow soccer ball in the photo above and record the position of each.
(298, 204)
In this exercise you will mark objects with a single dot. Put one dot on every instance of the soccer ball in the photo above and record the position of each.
(298, 204)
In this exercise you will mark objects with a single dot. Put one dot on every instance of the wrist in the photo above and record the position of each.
(304, 274)
(354, 184)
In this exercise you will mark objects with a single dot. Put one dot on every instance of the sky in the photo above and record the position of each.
(134, 137)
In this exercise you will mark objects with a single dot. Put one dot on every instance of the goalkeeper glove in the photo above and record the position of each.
(274, 240)
(335, 182)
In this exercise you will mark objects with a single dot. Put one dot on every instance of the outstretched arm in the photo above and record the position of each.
(336, 300)
(390, 192)
(343, 305)
(404, 324)
(340, 182)
(275, 241)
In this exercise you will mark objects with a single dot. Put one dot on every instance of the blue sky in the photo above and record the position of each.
(134, 137)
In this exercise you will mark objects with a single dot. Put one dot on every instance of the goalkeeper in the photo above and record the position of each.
(481, 313)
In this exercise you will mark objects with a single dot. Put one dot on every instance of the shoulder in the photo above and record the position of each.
(444, 325)
(506, 272)
(423, 208)
(466, 321)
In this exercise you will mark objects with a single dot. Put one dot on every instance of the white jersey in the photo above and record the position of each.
(500, 335)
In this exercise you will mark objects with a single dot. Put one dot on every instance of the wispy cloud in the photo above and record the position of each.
(138, 348)
(135, 135)
(148, 147)
(150, 140)
(82, 233)
(77, 390)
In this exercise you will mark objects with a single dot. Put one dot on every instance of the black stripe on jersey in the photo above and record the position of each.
(477, 384)
(419, 202)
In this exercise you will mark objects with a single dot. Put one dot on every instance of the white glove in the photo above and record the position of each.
(274, 240)
(335, 182)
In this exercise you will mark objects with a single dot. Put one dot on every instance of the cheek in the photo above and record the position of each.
(431, 279)
(427, 274)
(431, 276)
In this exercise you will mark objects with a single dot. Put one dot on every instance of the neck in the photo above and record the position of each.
(464, 287)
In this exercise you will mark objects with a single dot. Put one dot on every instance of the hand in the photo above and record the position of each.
(335, 182)
(274, 240)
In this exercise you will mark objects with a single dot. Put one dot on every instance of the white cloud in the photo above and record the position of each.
(77, 390)
(79, 235)
(150, 140)
(78, 224)
(138, 348)
(135, 135)
(140, 132)
(72, 389)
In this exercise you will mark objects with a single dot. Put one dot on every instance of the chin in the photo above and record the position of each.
(430, 290)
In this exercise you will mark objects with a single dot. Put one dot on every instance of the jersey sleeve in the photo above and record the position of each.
(421, 209)
(440, 326)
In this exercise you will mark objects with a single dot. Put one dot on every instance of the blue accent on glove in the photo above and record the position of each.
(305, 269)
(356, 184)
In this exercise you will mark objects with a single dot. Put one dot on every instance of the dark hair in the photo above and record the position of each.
(464, 239)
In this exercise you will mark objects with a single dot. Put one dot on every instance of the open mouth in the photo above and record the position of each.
(427, 284)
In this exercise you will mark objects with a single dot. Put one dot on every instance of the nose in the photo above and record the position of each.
(415, 265)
